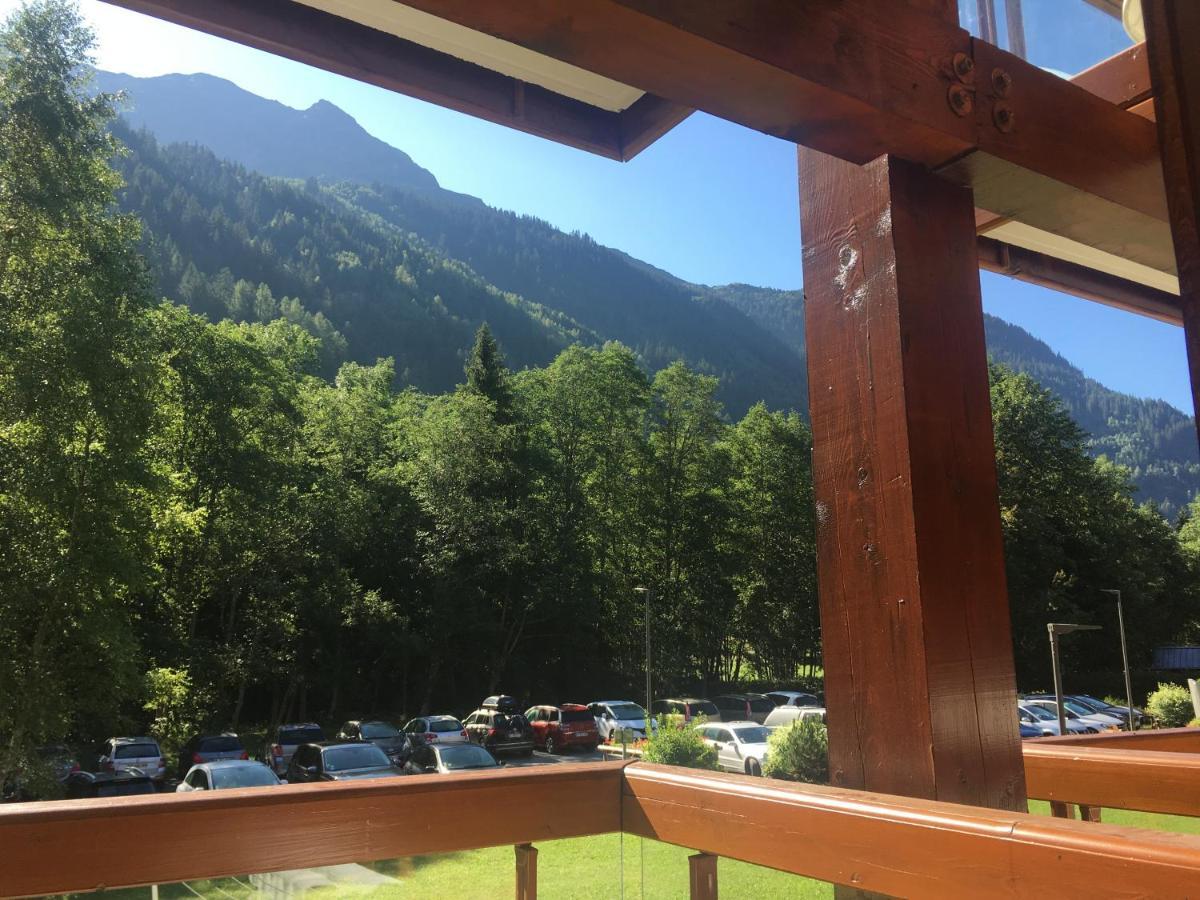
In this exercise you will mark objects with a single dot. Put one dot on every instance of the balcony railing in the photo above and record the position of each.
(882, 843)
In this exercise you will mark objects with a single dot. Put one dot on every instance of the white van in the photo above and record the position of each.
(786, 715)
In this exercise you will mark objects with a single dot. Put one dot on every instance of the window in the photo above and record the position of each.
(137, 751)
(200, 780)
(226, 743)
(704, 708)
(417, 726)
(442, 726)
(576, 715)
(243, 776)
(304, 735)
(374, 731)
(756, 735)
(360, 756)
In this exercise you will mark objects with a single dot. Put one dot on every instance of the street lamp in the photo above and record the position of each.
(1055, 629)
(1124, 652)
(647, 593)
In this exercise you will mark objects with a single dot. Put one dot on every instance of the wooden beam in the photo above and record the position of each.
(1080, 281)
(53, 848)
(860, 78)
(1123, 79)
(919, 679)
(1118, 778)
(1172, 40)
(1112, 7)
(1172, 740)
(702, 876)
(339, 45)
(904, 847)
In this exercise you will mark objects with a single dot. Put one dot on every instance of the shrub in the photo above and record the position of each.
(679, 746)
(1195, 723)
(1170, 706)
(799, 752)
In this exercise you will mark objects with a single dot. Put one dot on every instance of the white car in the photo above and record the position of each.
(1047, 720)
(793, 698)
(223, 774)
(786, 715)
(741, 746)
(613, 716)
(1077, 713)
(436, 730)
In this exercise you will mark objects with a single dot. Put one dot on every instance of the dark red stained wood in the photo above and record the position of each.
(1060, 275)
(526, 871)
(1123, 79)
(702, 877)
(339, 45)
(918, 654)
(1173, 44)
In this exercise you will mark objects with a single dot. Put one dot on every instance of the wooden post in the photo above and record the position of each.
(526, 871)
(919, 679)
(1172, 39)
(1089, 813)
(702, 876)
(1061, 810)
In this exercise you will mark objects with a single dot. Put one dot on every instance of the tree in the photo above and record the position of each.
(487, 375)
(75, 371)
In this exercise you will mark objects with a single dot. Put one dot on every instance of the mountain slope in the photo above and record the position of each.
(374, 255)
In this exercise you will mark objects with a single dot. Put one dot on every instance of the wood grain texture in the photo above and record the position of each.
(1146, 780)
(702, 876)
(527, 879)
(53, 847)
(918, 659)
(904, 847)
(1173, 46)
(1178, 740)
(1122, 79)
(347, 48)
(1080, 281)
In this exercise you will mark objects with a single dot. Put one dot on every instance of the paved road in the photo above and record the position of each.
(545, 759)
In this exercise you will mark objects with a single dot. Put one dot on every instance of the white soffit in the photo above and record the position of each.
(1020, 235)
(483, 50)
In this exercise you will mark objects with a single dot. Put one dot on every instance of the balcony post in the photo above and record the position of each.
(1172, 33)
(702, 876)
(919, 678)
(526, 871)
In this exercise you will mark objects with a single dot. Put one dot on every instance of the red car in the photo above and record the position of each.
(556, 728)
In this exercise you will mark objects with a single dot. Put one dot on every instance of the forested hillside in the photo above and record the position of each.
(538, 287)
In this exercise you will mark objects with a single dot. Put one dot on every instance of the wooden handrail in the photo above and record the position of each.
(82, 845)
(900, 846)
(894, 845)
(1175, 740)
(1151, 781)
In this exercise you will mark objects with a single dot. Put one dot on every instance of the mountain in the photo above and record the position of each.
(261, 210)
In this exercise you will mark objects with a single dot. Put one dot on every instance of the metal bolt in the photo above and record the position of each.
(964, 67)
(1004, 118)
(1001, 82)
(960, 100)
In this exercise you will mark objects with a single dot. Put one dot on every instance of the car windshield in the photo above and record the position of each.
(136, 751)
(373, 731)
(466, 756)
(626, 711)
(339, 759)
(309, 734)
(757, 735)
(1038, 712)
(1079, 708)
(243, 776)
(441, 726)
(576, 715)
(222, 744)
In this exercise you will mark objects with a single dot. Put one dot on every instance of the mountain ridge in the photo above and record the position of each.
(565, 285)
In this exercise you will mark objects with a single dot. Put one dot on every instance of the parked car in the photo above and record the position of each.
(744, 707)
(741, 746)
(500, 731)
(227, 773)
(688, 707)
(120, 754)
(442, 759)
(786, 715)
(339, 761)
(1047, 720)
(613, 716)
(280, 747)
(1073, 710)
(558, 728)
(125, 783)
(793, 698)
(204, 748)
(384, 735)
(436, 730)
(1095, 706)
(1030, 731)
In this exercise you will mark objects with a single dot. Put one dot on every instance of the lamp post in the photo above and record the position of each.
(1055, 629)
(647, 594)
(1124, 652)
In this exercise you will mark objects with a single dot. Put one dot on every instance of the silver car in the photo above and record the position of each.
(223, 774)
(786, 715)
(123, 754)
(435, 730)
(1047, 720)
(615, 716)
(741, 746)
(1077, 712)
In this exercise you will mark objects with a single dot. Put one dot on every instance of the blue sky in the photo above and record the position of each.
(711, 202)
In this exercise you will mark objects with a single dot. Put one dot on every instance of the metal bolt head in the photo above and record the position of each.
(1001, 82)
(964, 67)
(1004, 118)
(960, 100)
